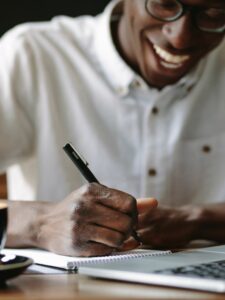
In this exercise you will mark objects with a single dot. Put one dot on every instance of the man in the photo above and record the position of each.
(139, 90)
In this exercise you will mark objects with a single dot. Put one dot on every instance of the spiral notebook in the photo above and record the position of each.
(46, 258)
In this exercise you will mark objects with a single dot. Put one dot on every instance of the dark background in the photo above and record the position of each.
(19, 11)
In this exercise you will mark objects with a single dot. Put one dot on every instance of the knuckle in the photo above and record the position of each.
(128, 224)
(118, 239)
(130, 203)
(81, 209)
(125, 224)
(88, 189)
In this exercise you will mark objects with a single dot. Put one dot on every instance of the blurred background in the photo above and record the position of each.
(14, 12)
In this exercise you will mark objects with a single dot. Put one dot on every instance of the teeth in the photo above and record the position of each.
(170, 58)
(170, 66)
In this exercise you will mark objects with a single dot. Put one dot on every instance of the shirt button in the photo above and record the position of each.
(190, 88)
(152, 172)
(206, 149)
(136, 83)
(155, 110)
(121, 91)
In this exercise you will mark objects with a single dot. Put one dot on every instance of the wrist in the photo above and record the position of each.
(40, 221)
(195, 218)
(206, 218)
(23, 222)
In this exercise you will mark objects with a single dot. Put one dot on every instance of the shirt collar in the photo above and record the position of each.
(119, 74)
(188, 82)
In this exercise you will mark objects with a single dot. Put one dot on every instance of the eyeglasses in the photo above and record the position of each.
(208, 19)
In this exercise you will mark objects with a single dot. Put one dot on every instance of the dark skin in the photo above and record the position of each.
(138, 31)
(97, 220)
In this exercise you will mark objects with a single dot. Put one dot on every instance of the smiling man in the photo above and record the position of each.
(139, 90)
(164, 40)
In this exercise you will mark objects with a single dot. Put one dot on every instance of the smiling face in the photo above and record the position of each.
(163, 52)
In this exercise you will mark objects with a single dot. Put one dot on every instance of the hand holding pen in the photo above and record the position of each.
(125, 207)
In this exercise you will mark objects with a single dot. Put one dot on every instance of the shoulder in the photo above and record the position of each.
(74, 28)
(215, 65)
(217, 58)
(212, 83)
(58, 33)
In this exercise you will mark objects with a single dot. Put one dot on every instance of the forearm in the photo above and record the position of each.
(24, 222)
(211, 222)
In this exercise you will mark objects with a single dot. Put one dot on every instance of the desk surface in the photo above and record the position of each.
(73, 286)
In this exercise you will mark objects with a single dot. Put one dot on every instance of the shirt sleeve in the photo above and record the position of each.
(16, 103)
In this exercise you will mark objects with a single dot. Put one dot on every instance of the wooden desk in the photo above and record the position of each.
(72, 286)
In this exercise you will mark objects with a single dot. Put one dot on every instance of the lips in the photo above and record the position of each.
(161, 63)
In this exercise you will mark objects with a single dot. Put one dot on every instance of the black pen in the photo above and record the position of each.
(82, 166)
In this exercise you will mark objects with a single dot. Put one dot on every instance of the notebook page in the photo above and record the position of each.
(47, 258)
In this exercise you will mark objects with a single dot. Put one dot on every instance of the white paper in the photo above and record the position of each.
(47, 258)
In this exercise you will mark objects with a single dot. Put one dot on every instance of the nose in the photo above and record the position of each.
(181, 34)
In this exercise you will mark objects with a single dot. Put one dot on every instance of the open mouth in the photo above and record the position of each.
(169, 60)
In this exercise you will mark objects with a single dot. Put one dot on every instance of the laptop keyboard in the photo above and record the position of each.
(214, 270)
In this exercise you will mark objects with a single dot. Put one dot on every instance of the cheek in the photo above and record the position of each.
(211, 43)
(137, 23)
(137, 33)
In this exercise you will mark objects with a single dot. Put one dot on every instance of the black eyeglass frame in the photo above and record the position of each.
(183, 10)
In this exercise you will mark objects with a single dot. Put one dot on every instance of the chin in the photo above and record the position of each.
(161, 79)
(158, 72)
(160, 76)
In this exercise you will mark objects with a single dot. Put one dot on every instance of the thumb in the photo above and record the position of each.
(145, 204)
(130, 244)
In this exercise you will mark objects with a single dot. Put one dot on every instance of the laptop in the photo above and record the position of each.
(198, 269)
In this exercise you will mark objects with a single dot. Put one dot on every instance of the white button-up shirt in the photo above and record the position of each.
(64, 81)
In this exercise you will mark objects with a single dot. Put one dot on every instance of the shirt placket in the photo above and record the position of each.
(154, 164)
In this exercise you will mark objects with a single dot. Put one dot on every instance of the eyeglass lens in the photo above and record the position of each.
(170, 10)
